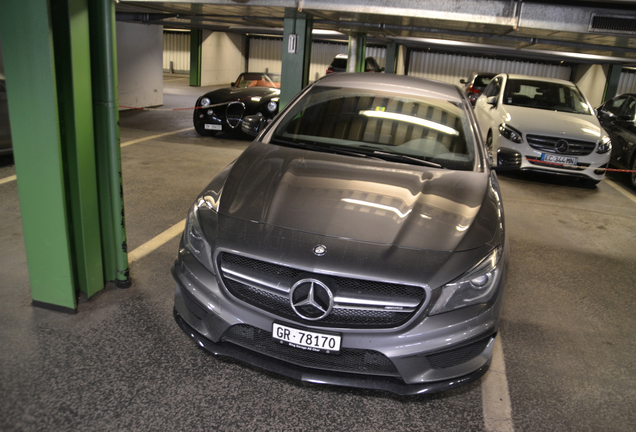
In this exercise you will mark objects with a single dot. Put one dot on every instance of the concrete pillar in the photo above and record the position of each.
(591, 80)
(222, 57)
(139, 65)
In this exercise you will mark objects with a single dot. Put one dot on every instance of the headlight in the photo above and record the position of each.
(204, 102)
(271, 106)
(604, 145)
(194, 238)
(474, 287)
(510, 133)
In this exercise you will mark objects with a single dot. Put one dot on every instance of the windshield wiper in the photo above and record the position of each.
(406, 158)
(324, 148)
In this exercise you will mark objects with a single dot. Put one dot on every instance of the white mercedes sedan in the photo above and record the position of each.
(542, 124)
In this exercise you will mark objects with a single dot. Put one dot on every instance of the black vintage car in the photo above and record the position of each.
(224, 109)
(618, 118)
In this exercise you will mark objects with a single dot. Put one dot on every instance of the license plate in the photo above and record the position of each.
(565, 160)
(306, 340)
(213, 127)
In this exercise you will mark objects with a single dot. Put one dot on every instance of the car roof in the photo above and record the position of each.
(536, 78)
(394, 84)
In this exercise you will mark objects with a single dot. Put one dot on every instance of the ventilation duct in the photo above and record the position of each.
(613, 24)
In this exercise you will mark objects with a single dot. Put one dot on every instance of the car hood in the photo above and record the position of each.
(236, 93)
(361, 199)
(549, 122)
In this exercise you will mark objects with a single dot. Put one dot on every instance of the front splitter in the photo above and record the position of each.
(371, 382)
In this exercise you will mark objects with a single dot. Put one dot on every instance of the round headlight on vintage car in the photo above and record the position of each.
(204, 102)
(271, 106)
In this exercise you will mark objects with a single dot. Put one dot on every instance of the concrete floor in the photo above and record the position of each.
(122, 363)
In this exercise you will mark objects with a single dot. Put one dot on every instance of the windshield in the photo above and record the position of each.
(258, 80)
(545, 95)
(377, 123)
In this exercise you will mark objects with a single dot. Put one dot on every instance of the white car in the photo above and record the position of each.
(542, 124)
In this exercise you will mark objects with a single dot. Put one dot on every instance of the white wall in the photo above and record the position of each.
(591, 80)
(139, 65)
(222, 57)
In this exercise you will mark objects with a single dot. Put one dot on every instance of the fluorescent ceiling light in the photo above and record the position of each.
(378, 206)
(410, 119)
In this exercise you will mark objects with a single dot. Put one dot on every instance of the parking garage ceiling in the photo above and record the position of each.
(573, 31)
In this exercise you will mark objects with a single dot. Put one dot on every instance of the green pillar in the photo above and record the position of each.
(357, 52)
(296, 54)
(613, 77)
(196, 40)
(73, 73)
(392, 50)
(27, 45)
(107, 146)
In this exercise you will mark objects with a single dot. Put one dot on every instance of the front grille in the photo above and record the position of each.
(550, 144)
(357, 303)
(234, 113)
(348, 360)
(459, 355)
(537, 161)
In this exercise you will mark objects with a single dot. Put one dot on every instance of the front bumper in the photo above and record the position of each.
(390, 384)
(590, 166)
(209, 314)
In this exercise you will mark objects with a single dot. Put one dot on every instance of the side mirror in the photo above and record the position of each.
(253, 124)
(492, 100)
(462, 81)
(507, 160)
(233, 84)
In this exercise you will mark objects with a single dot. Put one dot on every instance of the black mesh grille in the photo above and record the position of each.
(339, 317)
(193, 305)
(348, 360)
(550, 144)
(459, 355)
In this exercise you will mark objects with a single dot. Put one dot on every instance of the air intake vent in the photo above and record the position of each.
(613, 24)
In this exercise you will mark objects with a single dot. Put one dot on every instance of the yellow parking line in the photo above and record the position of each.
(621, 190)
(156, 242)
(135, 141)
(7, 179)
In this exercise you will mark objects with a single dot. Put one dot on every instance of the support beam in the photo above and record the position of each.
(73, 75)
(106, 132)
(196, 40)
(357, 52)
(613, 77)
(392, 53)
(29, 66)
(296, 54)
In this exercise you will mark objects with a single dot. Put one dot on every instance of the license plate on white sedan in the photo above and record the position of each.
(213, 126)
(565, 160)
(306, 340)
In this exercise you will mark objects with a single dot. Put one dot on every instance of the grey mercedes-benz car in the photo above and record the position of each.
(358, 241)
